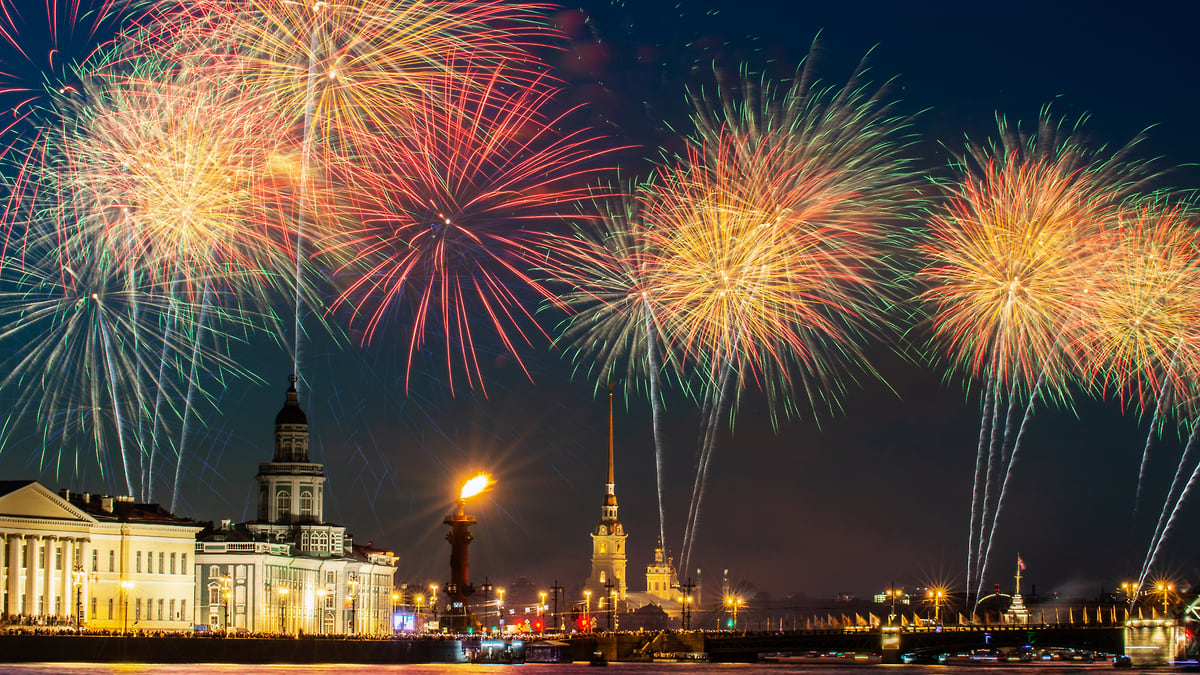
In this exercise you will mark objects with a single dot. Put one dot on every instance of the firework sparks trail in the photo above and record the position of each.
(976, 490)
(1008, 264)
(1169, 504)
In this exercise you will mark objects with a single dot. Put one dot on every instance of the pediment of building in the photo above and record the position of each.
(35, 502)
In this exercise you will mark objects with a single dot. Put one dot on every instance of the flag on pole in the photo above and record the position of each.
(1020, 563)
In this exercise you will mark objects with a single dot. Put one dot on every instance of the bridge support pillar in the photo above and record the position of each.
(889, 648)
(1152, 642)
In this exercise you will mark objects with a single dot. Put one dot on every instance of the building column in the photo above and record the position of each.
(85, 561)
(48, 585)
(14, 574)
(66, 589)
(31, 574)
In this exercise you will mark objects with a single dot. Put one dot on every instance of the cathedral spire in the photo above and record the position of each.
(611, 497)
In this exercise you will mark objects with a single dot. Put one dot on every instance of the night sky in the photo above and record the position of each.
(841, 503)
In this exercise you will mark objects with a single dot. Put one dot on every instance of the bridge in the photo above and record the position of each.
(891, 641)
(1148, 642)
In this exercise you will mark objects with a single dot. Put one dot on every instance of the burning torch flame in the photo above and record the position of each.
(474, 486)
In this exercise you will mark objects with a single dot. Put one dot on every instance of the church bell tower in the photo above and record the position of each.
(608, 539)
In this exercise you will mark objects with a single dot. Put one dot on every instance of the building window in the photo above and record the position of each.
(171, 611)
(93, 606)
(112, 564)
(161, 558)
(110, 608)
(160, 608)
(138, 558)
(95, 560)
(213, 572)
(183, 608)
(306, 503)
(214, 595)
(283, 504)
(58, 557)
(603, 547)
(183, 568)
(172, 563)
(603, 577)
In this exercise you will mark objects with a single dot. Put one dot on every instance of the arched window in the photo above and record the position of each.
(283, 503)
(603, 576)
(306, 503)
(304, 541)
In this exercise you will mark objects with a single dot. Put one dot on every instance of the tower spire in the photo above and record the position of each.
(611, 499)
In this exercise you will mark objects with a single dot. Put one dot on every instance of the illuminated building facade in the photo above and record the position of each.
(662, 581)
(108, 561)
(289, 570)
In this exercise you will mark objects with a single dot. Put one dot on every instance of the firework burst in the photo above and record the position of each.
(1139, 334)
(452, 233)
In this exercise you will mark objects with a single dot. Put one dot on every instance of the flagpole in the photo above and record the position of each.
(1018, 592)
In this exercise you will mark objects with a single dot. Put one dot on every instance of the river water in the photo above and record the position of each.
(545, 669)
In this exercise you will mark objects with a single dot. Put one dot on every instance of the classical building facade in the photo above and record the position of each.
(608, 538)
(662, 581)
(106, 561)
(289, 570)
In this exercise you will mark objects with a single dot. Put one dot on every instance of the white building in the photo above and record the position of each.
(289, 570)
(114, 563)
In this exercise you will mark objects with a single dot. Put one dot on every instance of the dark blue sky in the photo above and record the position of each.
(880, 492)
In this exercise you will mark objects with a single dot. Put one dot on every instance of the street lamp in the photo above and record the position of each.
(392, 616)
(587, 610)
(936, 595)
(77, 576)
(433, 600)
(226, 586)
(500, 607)
(1165, 590)
(486, 587)
(353, 583)
(1129, 588)
(283, 591)
(321, 593)
(542, 611)
(892, 594)
(612, 610)
(733, 603)
(685, 611)
(126, 584)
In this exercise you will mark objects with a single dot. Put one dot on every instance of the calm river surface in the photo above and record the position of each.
(542, 669)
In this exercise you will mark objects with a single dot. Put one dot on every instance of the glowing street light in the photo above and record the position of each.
(226, 591)
(936, 595)
(352, 582)
(1165, 590)
(283, 592)
(433, 600)
(77, 576)
(126, 584)
(542, 610)
(587, 609)
(733, 604)
(500, 607)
